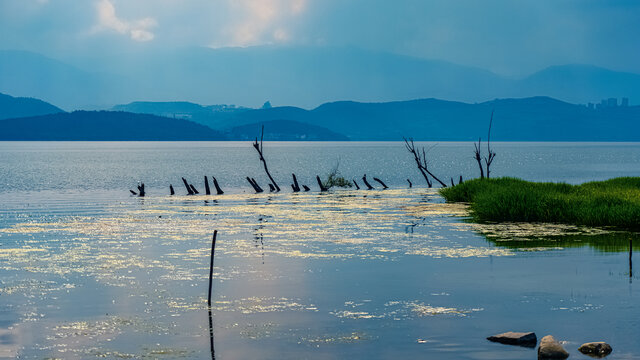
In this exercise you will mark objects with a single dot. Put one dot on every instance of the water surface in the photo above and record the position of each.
(87, 271)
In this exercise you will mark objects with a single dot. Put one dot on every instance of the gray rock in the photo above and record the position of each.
(528, 339)
(550, 348)
(596, 349)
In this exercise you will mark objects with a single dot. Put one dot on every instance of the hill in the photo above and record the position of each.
(302, 76)
(13, 107)
(104, 126)
(527, 119)
(285, 130)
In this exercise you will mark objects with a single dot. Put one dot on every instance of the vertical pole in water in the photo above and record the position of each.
(630, 261)
(213, 249)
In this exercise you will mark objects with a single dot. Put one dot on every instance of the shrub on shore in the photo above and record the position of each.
(610, 203)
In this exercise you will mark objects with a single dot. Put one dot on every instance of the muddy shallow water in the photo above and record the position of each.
(95, 273)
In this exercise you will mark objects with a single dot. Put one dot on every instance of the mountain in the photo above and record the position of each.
(206, 115)
(30, 74)
(285, 130)
(301, 76)
(12, 107)
(104, 126)
(580, 84)
(526, 119)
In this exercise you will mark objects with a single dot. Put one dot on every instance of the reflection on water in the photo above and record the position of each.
(382, 274)
(313, 274)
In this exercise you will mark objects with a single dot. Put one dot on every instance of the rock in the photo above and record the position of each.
(515, 338)
(597, 349)
(550, 348)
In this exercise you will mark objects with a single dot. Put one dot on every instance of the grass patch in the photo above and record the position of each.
(611, 203)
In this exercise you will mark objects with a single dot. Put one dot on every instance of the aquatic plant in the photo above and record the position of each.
(610, 203)
(334, 179)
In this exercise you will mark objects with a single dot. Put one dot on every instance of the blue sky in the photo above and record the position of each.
(507, 37)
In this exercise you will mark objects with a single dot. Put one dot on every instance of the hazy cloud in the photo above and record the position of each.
(258, 22)
(138, 30)
(504, 36)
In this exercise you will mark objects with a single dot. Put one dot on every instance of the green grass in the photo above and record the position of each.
(611, 203)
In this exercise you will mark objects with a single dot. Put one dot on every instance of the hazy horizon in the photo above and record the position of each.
(507, 38)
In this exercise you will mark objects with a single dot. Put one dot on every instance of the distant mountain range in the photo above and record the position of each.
(12, 107)
(303, 76)
(104, 126)
(525, 119)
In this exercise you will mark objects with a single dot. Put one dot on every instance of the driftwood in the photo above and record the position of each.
(194, 189)
(259, 149)
(207, 190)
(366, 183)
(133, 192)
(305, 187)
(295, 186)
(322, 187)
(356, 184)
(410, 184)
(186, 185)
(421, 161)
(172, 192)
(217, 186)
(384, 186)
(255, 185)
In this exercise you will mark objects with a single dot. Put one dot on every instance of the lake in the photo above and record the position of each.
(89, 271)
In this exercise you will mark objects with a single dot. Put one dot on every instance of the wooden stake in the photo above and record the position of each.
(213, 249)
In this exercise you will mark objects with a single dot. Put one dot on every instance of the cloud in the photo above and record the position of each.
(261, 21)
(138, 30)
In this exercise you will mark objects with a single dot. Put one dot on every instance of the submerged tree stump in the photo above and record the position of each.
(366, 183)
(255, 185)
(295, 186)
(322, 187)
(384, 186)
(217, 186)
(186, 185)
(141, 191)
(207, 190)
(306, 188)
(410, 184)
(356, 184)
(172, 192)
(194, 189)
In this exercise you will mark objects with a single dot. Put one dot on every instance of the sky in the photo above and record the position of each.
(512, 38)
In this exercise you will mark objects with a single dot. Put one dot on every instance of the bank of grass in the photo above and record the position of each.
(611, 203)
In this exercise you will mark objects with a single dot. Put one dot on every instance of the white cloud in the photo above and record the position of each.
(262, 21)
(138, 30)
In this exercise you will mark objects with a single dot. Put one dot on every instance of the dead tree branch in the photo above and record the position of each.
(421, 160)
(478, 156)
(259, 149)
(489, 159)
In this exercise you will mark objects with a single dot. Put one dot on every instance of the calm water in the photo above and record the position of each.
(87, 271)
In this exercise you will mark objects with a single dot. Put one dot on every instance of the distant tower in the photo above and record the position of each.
(612, 102)
(625, 102)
